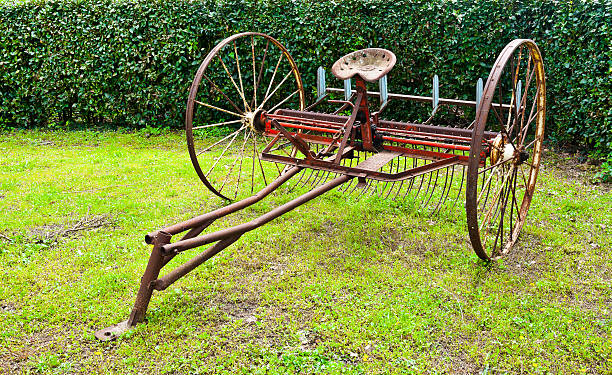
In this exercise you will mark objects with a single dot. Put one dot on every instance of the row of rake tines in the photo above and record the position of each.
(429, 193)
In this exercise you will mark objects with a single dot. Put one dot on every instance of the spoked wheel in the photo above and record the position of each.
(502, 169)
(240, 78)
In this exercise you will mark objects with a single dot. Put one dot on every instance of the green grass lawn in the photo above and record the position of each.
(339, 285)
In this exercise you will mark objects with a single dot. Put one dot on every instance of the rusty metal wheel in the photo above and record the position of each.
(242, 76)
(502, 170)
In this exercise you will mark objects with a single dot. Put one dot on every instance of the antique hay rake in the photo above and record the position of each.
(247, 141)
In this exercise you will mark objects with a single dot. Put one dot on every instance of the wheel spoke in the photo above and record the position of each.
(524, 177)
(214, 85)
(258, 159)
(240, 77)
(514, 83)
(241, 160)
(495, 201)
(219, 141)
(222, 154)
(530, 144)
(234, 83)
(522, 106)
(501, 122)
(284, 100)
(254, 100)
(217, 108)
(253, 165)
(514, 200)
(275, 89)
(487, 183)
(280, 58)
(501, 109)
(502, 212)
(263, 61)
(216, 124)
(530, 119)
(231, 170)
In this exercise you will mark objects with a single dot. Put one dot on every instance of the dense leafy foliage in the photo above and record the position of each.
(130, 63)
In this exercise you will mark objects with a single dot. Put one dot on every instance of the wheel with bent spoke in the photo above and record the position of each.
(240, 78)
(506, 149)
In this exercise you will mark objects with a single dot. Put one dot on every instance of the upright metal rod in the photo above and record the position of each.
(150, 275)
(156, 262)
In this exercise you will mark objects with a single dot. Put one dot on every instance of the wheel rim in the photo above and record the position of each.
(242, 76)
(502, 170)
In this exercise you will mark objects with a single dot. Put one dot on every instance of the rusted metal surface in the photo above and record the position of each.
(369, 64)
(515, 52)
(360, 153)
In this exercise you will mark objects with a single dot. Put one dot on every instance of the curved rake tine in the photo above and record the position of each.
(444, 196)
(356, 181)
(427, 191)
(386, 183)
(384, 188)
(432, 189)
(415, 163)
(299, 186)
(402, 181)
(370, 188)
(450, 186)
(460, 188)
(292, 188)
(327, 177)
(314, 179)
(488, 186)
(318, 180)
(422, 179)
(345, 187)
(312, 171)
(355, 188)
(394, 182)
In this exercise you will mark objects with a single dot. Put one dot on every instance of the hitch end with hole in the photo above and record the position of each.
(112, 332)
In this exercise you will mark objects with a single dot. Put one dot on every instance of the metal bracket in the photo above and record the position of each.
(112, 332)
(478, 91)
(519, 87)
(384, 93)
(320, 83)
(436, 93)
(298, 142)
(347, 89)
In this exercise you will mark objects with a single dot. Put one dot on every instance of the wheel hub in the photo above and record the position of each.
(253, 120)
(502, 150)
(523, 156)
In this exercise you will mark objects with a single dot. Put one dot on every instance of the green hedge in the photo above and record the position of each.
(130, 63)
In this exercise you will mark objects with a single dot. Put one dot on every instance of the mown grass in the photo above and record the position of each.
(339, 285)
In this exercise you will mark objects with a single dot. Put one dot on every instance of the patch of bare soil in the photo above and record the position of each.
(524, 259)
(14, 360)
(7, 307)
(451, 354)
(259, 322)
(575, 167)
(23, 358)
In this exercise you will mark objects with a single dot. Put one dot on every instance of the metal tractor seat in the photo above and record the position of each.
(371, 64)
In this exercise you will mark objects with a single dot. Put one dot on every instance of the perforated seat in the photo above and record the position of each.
(371, 64)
